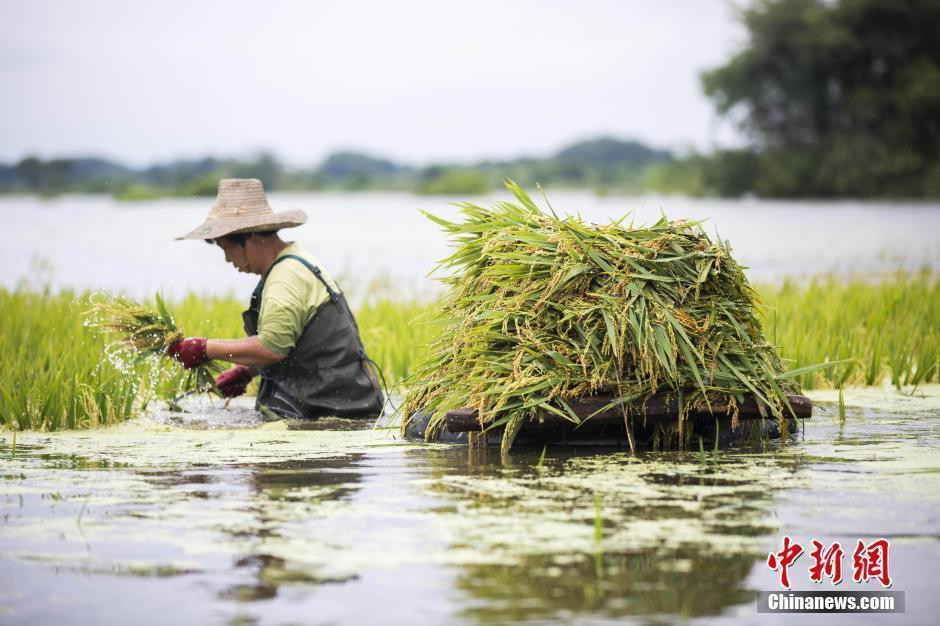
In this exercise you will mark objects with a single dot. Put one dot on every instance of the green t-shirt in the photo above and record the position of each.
(289, 300)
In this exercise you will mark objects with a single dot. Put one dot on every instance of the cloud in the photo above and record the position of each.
(415, 80)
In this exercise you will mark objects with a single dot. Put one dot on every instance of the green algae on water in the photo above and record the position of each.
(267, 510)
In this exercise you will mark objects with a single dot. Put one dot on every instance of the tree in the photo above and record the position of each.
(342, 165)
(839, 98)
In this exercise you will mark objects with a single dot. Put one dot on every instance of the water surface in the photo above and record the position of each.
(215, 517)
(383, 240)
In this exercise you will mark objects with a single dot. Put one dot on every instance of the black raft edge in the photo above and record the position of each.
(659, 408)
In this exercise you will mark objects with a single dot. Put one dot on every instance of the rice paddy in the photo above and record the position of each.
(56, 374)
(884, 328)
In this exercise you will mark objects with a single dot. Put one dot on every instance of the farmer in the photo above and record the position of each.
(302, 337)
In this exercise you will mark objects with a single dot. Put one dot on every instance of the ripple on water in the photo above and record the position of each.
(219, 510)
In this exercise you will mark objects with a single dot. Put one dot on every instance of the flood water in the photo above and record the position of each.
(382, 240)
(216, 518)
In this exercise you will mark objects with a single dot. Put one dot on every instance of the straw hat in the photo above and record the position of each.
(241, 207)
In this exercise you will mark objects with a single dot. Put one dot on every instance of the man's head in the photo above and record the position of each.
(251, 253)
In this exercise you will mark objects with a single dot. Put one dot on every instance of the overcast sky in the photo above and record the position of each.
(414, 81)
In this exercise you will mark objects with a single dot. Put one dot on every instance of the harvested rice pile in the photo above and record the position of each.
(542, 310)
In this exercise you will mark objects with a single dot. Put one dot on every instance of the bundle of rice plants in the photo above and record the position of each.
(542, 310)
(143, 333)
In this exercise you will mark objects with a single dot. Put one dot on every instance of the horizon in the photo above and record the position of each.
(424, 84)
(301, 166)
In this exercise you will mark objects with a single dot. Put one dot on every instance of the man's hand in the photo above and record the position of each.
(233, 382)
(191, 352)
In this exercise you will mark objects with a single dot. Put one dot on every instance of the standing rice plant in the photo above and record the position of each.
(54, 375)
(56, 369)
(542, 311)
(396, 334)
(887, 327)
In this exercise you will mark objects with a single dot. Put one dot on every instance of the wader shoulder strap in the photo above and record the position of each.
(313, 268)
(254, 306)
(334, 298)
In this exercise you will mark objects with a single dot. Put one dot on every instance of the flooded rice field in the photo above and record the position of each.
(215, 517)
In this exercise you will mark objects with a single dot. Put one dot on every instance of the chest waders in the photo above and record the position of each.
(326, 373)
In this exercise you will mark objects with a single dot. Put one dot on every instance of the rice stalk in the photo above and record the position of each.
(144, 333)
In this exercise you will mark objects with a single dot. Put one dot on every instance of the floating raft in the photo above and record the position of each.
(660, 408)
(649, 420)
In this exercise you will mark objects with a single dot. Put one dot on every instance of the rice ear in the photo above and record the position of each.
(145, 334)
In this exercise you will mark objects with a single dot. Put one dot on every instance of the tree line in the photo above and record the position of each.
(596, 163)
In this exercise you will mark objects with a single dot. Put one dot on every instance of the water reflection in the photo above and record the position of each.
(605, 534)
(297, 482)
(685, 582)
(269, 574)
(308, 481)
(276, 525)
(583, 532)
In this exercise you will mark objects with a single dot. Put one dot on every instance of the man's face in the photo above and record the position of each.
(236, 254)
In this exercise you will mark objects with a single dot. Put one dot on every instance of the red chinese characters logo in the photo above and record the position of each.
(869, 561)
(784, 559)
(826, 563)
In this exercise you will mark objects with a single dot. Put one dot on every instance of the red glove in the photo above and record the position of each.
(191, 352)
(234, 381)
